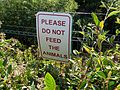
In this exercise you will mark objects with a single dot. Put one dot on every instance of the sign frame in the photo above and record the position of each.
(52, 14)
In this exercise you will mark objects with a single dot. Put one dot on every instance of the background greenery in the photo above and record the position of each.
(95, 66)
(22, 12)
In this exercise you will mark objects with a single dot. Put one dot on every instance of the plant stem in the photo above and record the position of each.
(108, 10)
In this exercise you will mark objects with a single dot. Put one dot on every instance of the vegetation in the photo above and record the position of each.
(95, 66)
(18, 12)
(19, 15)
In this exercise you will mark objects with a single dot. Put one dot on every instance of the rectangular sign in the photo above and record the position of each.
(54, 35)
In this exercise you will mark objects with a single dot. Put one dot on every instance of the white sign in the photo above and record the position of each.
(54, 35)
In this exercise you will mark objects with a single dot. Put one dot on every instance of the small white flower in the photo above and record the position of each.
(112, 57)
(108, 67)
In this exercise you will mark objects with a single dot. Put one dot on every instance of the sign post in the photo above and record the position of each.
(54, 35)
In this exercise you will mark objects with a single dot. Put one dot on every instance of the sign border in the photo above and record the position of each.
(69, 33)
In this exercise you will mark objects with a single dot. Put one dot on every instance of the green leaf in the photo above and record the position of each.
(113, 13)
(1, 44)
(105, 32)
(81, 32)
(5, 62)
(70, 88)
(118, 21)
(101, 74)
(101, 25)
(9, 69)
(49, 82)
(32, 86)
(117, 32)
(99, 60)
(98, 69)
(103, 4)
(58, 87)
(1, 54)
(1, 63)
(118, 87)
(95, 18)
(101, 37)
(76, 52)
(87, 49)
(72, 61)
(111, 40)
(113, 8)
(88, 63)
(105, 62)
(109, 74)
(83, 84)
(111, 83)
(114, 78)
(8, 41)
(93, 88)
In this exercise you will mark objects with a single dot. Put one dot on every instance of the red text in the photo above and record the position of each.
(54, 47)
(53, 22)
(53, 40)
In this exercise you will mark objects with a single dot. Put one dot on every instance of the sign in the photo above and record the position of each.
(54, 35)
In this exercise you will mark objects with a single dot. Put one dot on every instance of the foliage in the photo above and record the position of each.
(18, 12)
(88, 5)
(19, 15)
(21, 68)
(93, 67)
(101, 7)
(50, 82)
(111, 7)
(97, 64)
(15, 72)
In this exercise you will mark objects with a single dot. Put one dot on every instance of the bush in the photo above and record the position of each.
(22, 12)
